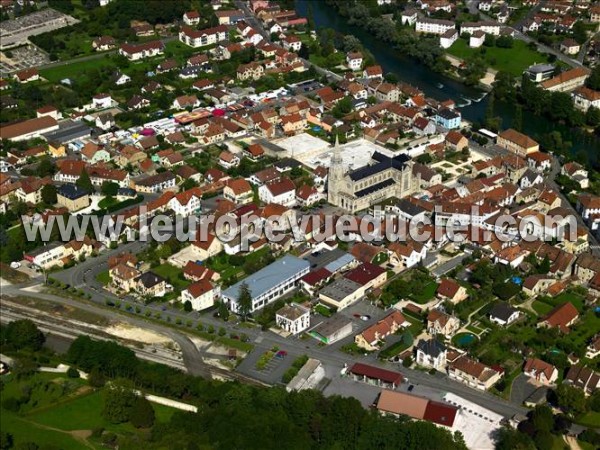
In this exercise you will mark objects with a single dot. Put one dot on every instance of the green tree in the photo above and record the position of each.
(23, 334)
(571, 400)
(6, 440)
(511, 439)
(72, 372)
(96, 378)
(84, 182)
(579, 32)
(518, 118)
(223, 311)
(109, 188)
(244, 301)
(49, 194)
(187, 306)
(593, 81)
(542, 419)
(118, 403)
(142, 413)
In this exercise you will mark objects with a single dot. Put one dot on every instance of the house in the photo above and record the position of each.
(503, 314)
(517, 143)
(539, 161)
(254, 152)
(448, 118)
(293, 318)
(191, 18)
(156, 183)
(136, 52)
(561, 317)
(540, 371)
(354, 60)
(229, 17)
(307, 195)
(101, 101)
(50, 111)
(201, 294)
(456, 141)
(30, 190)
(368, 275)
(150, 284)
(123, 276)
(250, 71)
(93, 153)
(120, 78)
(27, 75)
(281, 192)
(431, 353)
(439, 322)
(186, 203)
(585, 98)
(137, 102)
(239, 191)
(194, 271)
(292, 43)
(72, 197)
(269, 283)
(473, 373)
(228, 160)
(584, 378)
(104, 43)
(105, 121)
(409, 17)
(423, 126)
(371, 337)
(373, 73)
(401, 404)
(587, 267)
(451, 291)
(570, 46)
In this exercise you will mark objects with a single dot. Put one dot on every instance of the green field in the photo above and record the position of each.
(541, 308)
(103, 277)
(74, 70)
(427, 294)
(172, 275)
(513, 60)
(590, 419)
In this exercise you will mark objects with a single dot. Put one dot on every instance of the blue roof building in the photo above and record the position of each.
(269, 283)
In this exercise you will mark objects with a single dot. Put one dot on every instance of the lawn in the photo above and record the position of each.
(541, 308)
(565, 297)
(84, 413)
(172, 275)
(590, 419)
(103, 278)
(427, 293)
(23, 430)
(513, 60)
(75, 69)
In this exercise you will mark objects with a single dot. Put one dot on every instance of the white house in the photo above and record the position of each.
(431, 353)
(584, 98)
(293, 318)
(201, 294)
(101, 101)
(191, 18)
(46, 256)
(281, 192)
(354, 60)
(503, 314)
(185, 203)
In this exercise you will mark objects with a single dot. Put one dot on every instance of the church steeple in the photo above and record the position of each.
(336, 173)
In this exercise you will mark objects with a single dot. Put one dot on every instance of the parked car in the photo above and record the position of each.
(15, 265)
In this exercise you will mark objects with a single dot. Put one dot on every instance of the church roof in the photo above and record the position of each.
(382, 163)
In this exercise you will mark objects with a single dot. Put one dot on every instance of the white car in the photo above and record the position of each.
(15, 265)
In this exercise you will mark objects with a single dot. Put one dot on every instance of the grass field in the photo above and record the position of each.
(103, 277)
(171, 274)
(74, 70)
(426, 295)
(23, 430)
(541, 308)
(565, 297)
(590, 419)
(513, 60)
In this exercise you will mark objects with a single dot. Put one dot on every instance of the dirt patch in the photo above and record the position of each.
(81, 434)
(131, 333)
(11, 275)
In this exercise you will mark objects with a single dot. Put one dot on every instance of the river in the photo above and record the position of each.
(471, 101)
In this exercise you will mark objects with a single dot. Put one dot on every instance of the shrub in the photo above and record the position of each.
(72, 372)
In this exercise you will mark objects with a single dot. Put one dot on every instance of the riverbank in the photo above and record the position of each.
(441, 87)
(485, 83)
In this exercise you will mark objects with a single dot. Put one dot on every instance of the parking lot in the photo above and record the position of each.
(274, 369)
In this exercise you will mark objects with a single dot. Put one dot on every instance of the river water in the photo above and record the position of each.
(471, 101)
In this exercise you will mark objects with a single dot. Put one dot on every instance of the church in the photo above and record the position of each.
(361, 188)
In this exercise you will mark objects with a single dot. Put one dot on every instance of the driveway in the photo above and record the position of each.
(521, 389)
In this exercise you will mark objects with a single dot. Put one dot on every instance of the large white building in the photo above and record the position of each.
(201, 294)
(280, 192)
(269, 283)
(433, 26)
(488, 27)
(201, 38)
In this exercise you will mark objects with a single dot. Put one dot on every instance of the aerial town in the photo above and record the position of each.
(265, 224)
